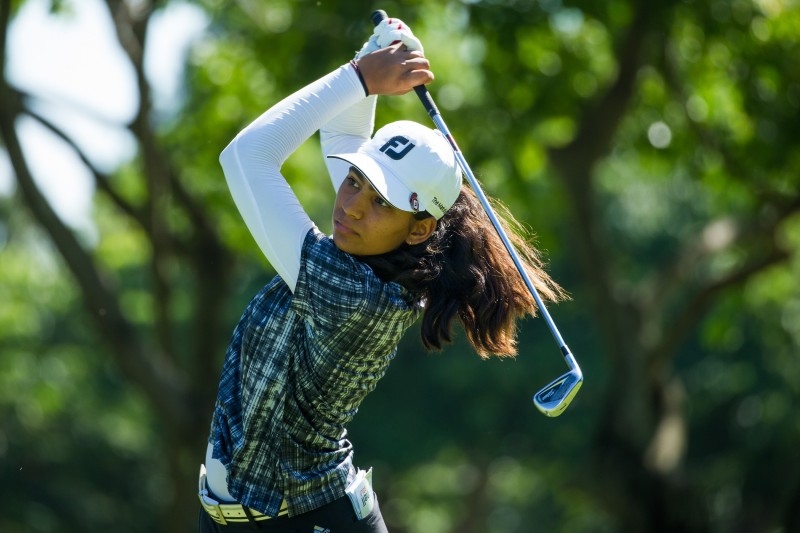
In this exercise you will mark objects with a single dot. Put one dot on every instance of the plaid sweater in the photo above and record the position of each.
(295, 372)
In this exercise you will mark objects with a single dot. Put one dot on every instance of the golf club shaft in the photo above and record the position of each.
(433, 111)
(436, 116)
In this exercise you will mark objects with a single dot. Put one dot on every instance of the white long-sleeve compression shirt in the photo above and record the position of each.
(252, 161)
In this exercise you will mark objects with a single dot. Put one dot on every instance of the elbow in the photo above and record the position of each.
(249, 151)
(227, 158)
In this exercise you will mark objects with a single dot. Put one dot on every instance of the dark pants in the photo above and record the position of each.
(335, 517)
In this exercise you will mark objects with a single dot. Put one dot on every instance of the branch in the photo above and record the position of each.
(728, 234)
(130, 23)
(719, 234)
(98, 296)
(702, 300)
(157, 379)
(131, 32)
(5, 17)
(163, 180)
(101, 180)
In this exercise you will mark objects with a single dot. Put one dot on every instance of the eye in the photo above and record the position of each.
(352, 181)
(381, 202)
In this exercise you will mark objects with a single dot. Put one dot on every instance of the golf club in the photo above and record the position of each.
(554, 398)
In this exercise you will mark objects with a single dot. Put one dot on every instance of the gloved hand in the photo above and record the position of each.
(390, 30)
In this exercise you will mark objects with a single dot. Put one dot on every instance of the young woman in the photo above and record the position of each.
(408, 241)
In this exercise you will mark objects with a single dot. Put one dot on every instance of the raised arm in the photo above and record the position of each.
(252, 163)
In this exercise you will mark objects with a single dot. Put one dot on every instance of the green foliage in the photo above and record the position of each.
(679, 248)
(67, 419)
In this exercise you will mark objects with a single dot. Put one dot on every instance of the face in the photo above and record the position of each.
(366, 224)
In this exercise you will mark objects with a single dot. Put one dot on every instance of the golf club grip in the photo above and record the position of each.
(427, 100)
(377, 16)
(424, 96)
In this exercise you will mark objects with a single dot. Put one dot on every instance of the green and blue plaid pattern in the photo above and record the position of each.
(295, 372)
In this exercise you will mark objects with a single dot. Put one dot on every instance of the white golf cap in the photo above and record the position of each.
(413, 167)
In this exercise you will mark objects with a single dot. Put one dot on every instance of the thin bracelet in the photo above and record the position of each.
(360, 76)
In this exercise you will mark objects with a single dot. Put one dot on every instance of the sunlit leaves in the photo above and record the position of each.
(705, 153)
(515, 495)
(32, 292)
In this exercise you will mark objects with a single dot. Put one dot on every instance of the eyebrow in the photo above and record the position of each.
(363, 179)
(358, 173)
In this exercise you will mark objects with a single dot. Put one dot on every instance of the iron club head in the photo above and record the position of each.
(554, 398)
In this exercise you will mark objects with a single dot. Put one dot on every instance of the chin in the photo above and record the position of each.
(341, 244)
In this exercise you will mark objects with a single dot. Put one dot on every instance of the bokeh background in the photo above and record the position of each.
(650, 145)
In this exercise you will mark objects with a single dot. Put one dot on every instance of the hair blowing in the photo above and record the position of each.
(464, 272)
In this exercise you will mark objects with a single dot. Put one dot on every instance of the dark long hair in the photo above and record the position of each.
(464, 272)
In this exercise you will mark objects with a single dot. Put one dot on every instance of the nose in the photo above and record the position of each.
(353, 205)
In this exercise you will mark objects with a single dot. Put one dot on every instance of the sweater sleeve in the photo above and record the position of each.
(252, 162)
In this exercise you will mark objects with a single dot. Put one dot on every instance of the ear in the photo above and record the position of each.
(421, 230)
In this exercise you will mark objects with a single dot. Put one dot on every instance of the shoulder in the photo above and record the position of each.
(328, 274)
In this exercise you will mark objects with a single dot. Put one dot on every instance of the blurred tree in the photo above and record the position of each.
(651, 145)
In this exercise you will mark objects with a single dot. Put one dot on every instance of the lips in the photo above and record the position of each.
(343, 228)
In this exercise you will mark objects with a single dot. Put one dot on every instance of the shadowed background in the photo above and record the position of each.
(651, 146)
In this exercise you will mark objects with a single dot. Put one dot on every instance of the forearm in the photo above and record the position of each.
(279, 131)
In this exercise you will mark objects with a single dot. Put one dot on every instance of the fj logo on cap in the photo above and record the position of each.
(397, 147)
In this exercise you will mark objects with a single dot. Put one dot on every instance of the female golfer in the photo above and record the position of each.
(408, 240)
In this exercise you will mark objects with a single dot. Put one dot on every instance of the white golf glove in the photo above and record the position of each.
(390, 30)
